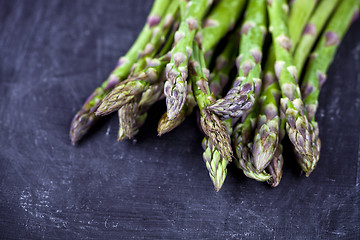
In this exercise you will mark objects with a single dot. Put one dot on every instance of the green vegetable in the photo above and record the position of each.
(297, 123)
(85, 118)
(241, 97)
(316, 71)
(175, 88)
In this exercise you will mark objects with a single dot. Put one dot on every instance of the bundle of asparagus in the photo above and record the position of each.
(177, 56)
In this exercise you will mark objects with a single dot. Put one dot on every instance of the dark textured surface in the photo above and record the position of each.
(54, 53)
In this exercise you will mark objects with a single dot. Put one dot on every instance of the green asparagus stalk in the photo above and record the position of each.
(242, 140)
(269, 96)
(152, 92)
(270, 127)
(241, 97)
(215, 26)
(215, 163)
(299, 14)
(218, 80)
(320, 61)
(220, 21)
(242, 136)
(324, 53)
(267, 133)
(219, 77)
(149, 86)
(166, 125)
(312, 31)
(243, 133)
(213, 128)
(175, 88)
(85, 117)
(297, 123)
(260, 160)
(310, 34)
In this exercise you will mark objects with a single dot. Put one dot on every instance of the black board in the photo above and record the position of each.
(54, 53)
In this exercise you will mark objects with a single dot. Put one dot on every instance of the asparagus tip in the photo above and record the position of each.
(237, 101)
(80, 125)
(166, 124)
(217, 133)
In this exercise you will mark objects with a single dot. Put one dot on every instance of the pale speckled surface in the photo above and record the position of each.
(54, 53)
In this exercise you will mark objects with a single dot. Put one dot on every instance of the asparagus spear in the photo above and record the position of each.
(299, 14)
(243, 132)
(151, 94)
(241, 97)
(224, 62)
(85, 117)
(311, 32)
(177, 70)
(241, 138)
(215, 26)
(128, 119)
(138, 109)
(166, 125)
(220, 21)
(297, 124)
(215, 163)
(316, 71)
(262, 139)
(213, 128)
(267, 134)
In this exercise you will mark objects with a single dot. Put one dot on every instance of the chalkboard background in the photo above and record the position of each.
(54, 53)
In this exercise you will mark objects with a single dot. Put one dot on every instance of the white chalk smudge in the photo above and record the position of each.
(108, 130)
(36, 202)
